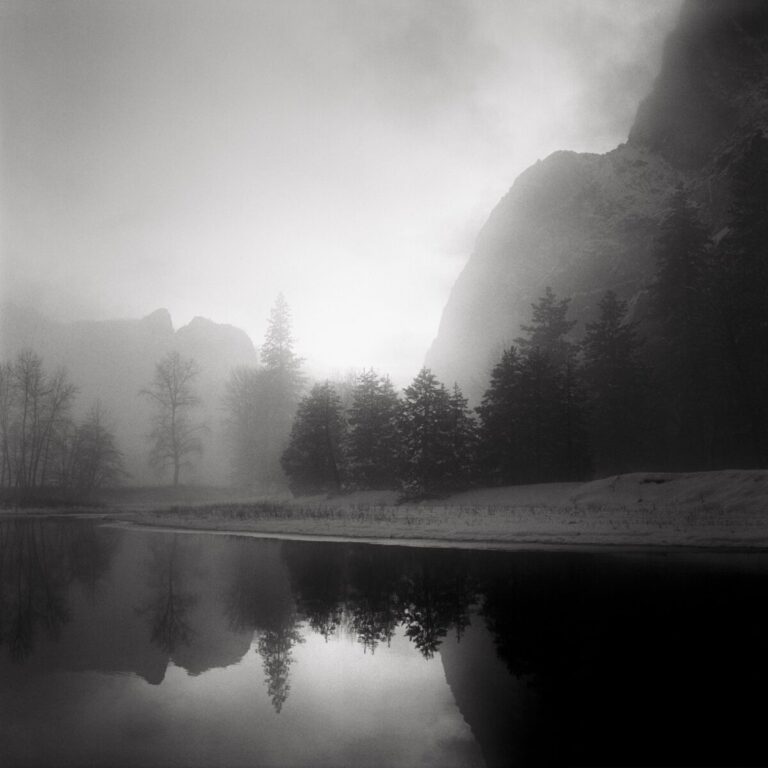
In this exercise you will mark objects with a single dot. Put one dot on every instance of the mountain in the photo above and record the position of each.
(113, 360)
(585, 223)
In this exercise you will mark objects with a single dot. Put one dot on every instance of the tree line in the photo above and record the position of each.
(42, 445)
(684, 389)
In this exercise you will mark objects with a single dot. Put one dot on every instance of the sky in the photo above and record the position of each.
(204, 156)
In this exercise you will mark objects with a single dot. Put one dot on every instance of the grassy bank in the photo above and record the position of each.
(709, 509)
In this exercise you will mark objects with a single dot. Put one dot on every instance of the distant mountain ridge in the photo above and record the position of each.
(112, 360)
(585, 223)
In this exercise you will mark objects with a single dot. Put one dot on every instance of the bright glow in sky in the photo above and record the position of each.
(203, 156)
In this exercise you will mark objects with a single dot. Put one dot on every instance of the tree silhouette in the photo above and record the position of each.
(617, 383)
(742, 283)
(501, 438)
(534, 412)
(434, 434)
(34, 414)
(373, 441)
(549, 328)
(313, 459)
(681, 307)
(174, 435)
(461, 433)
(260, 405)
(91, 458)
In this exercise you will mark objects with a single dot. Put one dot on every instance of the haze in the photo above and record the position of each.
(204, 156)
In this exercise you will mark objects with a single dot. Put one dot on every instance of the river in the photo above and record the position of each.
(125, 647)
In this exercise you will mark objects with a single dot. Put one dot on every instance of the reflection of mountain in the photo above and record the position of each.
(633, 658)
(107, 634)
(498, 707)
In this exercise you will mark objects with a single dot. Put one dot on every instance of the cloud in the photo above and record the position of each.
(203, 156)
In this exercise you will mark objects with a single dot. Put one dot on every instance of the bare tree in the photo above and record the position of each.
(34, 413)
(6, 416)
(54, 419)
(90, 457)
(174, 435)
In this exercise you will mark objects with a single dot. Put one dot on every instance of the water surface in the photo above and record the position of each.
(121, 647)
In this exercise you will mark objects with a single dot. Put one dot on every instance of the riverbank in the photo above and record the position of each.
(703, 509)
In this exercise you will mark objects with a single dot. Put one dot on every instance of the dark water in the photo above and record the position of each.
(132, 648)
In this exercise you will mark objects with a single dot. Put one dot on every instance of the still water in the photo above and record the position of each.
(124, 647)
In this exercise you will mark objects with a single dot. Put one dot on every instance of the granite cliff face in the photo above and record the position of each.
(113, 360)
(585, 223)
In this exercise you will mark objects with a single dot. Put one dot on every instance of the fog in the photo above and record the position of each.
(203, 156)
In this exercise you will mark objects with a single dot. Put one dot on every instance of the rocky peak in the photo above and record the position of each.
(159, 322)
(712, 82)
(584, 223)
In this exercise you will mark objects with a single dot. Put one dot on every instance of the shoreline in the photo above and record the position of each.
(542, 539)
(531, 545)
(716, 511)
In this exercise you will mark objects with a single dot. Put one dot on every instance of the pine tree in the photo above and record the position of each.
(462, 435)
(549, 328)
(314, 460)
(617, 383)
(680, 301)
(551, 385)
(680, 250)
(373, 441)
(500, 446)
(277, 353)
(743, 301)
(533, 414)
(540, 419)
(425, 413)
(279, 385)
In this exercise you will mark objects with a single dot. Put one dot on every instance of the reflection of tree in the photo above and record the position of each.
(375, 589)
(275, 648)
(530, 611)
(317, 578)
(259, 599)
(38, 562)
(438, 592)
(89, 552)
(373, 603)
(425, 613)
(169, 603)
(34, 581)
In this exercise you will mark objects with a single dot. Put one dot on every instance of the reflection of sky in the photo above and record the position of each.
(346, 707)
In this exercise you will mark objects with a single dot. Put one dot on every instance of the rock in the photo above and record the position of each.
(585, 223)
